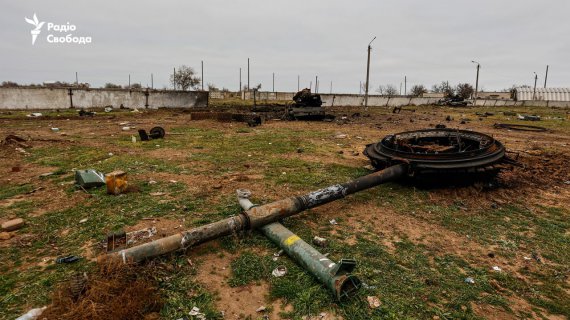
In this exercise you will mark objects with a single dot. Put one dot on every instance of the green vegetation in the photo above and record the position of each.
(412, 279)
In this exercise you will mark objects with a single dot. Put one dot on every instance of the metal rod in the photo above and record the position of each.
(336, 276)
(534, 91)
(546, 77)
(367, 75)
(256, 217)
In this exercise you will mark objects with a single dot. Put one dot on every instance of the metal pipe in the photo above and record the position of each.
(256, 217)
(336, 276)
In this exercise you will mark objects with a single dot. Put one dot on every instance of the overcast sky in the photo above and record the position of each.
(428, 41)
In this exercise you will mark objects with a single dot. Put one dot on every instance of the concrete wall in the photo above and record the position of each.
(374, 100)
(344, 99)
(526, 103)
(383, 101)
(58, 98)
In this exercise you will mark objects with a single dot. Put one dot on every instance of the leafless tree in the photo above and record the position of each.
(464, 90)
(212, 87)
(387, 90)
(417, 90)
(184, 78)
(110, 85)
(444, 88)
(9, 84)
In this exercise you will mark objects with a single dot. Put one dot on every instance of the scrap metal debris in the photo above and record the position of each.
(67, 259)
(519, 127)
(154, 133)
(528, 117)
(439, 150)
(251, 119)
(15, 140)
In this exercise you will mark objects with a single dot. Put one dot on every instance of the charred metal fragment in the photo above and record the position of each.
(437, 151)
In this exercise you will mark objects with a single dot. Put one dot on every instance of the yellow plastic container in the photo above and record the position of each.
(116, 182)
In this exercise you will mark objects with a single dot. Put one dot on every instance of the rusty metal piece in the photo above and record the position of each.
(437, 151)
(519, 127)
(255, 217)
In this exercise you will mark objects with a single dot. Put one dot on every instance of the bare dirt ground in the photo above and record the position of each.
(439, 222)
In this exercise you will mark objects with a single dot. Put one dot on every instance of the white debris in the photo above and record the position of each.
(333, 222)
(497, 269)
(261, 309)
(279, 271)
(32, 314)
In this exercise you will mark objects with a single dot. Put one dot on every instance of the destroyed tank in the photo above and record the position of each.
(306, 105)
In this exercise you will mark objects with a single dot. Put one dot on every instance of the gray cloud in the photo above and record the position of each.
(427, 41)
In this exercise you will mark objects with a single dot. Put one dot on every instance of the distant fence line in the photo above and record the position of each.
(63, 98)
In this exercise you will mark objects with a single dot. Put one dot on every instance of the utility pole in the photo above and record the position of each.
(174, 79)
(367, 75)
(405, 85)
(76, 79)
(129, 81)
(247, 74)
(546, 77)
(202, 75)
(239, 80)
(476, 79)
(151, 81)
(298, 82)
(273, 81)
(534, 91)
(316, 84)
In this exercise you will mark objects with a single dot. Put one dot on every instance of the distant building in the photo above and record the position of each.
(494, 95)
(550, 94)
